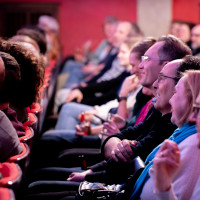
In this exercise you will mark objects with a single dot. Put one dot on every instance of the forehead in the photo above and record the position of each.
(196, 29)
(133, 57)
(154, 48)
(124, 46)
(123, 26)
(170, 68)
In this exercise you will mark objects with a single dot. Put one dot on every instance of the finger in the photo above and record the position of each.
(120, 155)
(134, 142)
(126, 151)
(114, 157)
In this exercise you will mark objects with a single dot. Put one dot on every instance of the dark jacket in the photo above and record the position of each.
(149, 134)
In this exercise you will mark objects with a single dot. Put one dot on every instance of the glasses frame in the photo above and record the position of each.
(196, 105)
(162, 75)
(196, 108)
(147, 58)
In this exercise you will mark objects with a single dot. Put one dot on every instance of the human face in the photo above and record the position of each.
(121, 34)
(195, 117)
(134, 62)
(150, 69)
(164, 86)
(109, 31)
(123, 55)
(178, 102)
(184, 32)
(174, 28)
(195, 37)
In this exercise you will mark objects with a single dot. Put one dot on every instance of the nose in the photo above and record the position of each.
(141, 66)
(155, 84)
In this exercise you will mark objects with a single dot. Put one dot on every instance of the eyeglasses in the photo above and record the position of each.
(147, 58)
(162, 75)
(196, 108)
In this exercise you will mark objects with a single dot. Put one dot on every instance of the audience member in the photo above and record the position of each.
(167, 79)
(108, 69)
(31, 77)
(195, 40)
(9, 142)
(65, 137)
(51, 27)
(9, 89)
(166, 157)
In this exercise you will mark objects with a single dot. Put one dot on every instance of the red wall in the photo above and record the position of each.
(82, 19)
(187, 10)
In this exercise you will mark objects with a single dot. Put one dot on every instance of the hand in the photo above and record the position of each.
(75, 94)
(78, 177)
(78, 55)
(83, 129)
(109, 128)
(88, 115)
(88, 68)
(119, 121)
(129, 85)
(166, 164)
(123, 151)
(87, 46)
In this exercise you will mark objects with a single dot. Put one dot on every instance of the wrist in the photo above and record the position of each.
(163, 188)
(121, 98)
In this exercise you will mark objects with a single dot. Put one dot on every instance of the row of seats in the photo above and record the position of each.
(13, 171)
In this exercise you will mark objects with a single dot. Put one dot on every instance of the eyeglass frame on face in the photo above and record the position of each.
(147, 58)
(196, 108)
(162, 75)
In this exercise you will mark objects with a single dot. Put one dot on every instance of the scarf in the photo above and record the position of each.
(178, 136)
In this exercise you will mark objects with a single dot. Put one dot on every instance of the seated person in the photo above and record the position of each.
(187, 142)
(64, 139)
(110, 69)
(170, 161)
(187, 89)
(68, 119)
(9, 88)
(9, 141)
(27, 91)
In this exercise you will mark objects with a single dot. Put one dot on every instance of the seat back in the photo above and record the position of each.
(21, 159)
(32, 122)
(11, 175)
(28, 137)
(6, 194)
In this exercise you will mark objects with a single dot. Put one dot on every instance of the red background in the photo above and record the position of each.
(82, 19)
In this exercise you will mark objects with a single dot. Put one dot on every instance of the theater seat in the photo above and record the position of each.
(83, 157)
(6, 194)
(23, 158)
(27, 138)
(11, 175)
(32, 122)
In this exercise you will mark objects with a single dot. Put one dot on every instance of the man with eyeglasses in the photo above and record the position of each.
(121, 147)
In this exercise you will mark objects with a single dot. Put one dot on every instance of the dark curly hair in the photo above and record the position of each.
(31, 73)
(11, 78)
(36, 35)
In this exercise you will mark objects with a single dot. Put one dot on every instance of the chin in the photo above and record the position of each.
(173, 120)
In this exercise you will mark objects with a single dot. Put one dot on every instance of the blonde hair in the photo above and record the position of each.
(192, 90)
